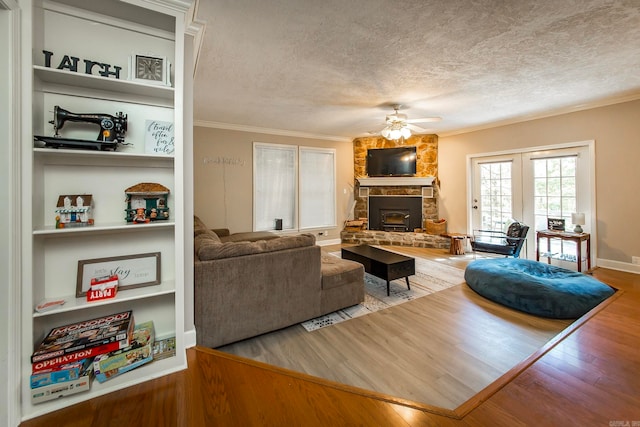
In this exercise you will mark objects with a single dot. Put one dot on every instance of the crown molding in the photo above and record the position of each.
(177, 5)
(9, 5)
(196, 28)
(269, 131)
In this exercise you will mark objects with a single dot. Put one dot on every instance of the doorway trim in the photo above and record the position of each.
(11, 317)
(590, 144)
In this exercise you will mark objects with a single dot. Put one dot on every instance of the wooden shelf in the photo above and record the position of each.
(51, 231)
(116, 155)
(88, 81)
(73, 303)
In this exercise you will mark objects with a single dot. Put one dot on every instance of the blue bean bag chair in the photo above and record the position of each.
(536, 288)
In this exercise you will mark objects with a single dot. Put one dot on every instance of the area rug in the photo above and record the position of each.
(430, 277)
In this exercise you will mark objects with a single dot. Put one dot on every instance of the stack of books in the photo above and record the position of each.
(62, 363)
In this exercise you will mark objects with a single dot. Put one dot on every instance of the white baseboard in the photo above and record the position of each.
(328, 242)
(618, 265)
(190, 338)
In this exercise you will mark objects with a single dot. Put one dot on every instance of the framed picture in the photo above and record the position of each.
(158, 137)
(134, 271)
(150, 69)
(555, 224)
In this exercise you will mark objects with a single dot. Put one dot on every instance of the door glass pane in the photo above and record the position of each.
(495, 195)
(555, 196)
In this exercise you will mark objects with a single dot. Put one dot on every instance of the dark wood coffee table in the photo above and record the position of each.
(383, 264)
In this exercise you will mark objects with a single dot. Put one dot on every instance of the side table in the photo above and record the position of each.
(578, 238)
(458, 242)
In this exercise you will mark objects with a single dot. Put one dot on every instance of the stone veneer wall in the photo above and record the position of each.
(426, 165)
(393, 238)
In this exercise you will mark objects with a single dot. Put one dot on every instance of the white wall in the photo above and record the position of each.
(616, 132)
(223, 177)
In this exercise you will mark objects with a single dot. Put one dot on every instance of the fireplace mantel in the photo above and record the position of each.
(396, 181)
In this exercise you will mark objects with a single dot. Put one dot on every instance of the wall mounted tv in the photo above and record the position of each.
(400, 161)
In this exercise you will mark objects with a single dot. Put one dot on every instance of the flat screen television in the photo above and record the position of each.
(399, 161)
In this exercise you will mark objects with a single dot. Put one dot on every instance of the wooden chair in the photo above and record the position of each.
(507, 243)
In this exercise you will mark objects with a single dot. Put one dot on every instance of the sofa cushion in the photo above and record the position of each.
(209, 249)
(289, 242)
(227, 250)
(199, 227)
(338, 272)
(207, 237)
(251, 236)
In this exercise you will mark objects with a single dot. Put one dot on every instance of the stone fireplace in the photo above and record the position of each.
(389, 224)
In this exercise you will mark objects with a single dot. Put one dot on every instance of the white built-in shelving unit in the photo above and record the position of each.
(108, 31)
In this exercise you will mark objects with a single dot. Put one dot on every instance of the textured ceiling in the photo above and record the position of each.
(333, 67)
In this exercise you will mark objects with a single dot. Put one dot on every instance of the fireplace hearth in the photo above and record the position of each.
(395, 213)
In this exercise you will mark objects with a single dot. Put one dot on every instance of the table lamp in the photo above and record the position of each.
(577, 219)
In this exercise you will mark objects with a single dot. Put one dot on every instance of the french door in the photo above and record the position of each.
(532, 186)
(496, 191)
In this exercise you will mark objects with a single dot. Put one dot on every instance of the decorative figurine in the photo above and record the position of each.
(140, 216)
(74, 210)
(147, 202)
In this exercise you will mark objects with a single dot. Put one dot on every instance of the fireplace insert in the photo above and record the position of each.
(395, 220)
(395, 213)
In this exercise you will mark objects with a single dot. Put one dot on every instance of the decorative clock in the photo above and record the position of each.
(150, 69)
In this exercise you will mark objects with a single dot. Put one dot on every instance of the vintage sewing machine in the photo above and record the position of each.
(112, 130)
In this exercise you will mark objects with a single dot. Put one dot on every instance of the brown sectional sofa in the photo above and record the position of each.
(247, 284)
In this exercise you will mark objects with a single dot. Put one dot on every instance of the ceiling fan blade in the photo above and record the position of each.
(418, 129)
(425, 120)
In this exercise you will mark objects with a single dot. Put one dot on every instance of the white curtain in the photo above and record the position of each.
(274, 181)
(317, 188)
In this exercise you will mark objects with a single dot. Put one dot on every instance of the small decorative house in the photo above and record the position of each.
(74, 210)
(147, 202)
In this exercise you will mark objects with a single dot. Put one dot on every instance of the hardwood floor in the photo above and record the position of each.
(588, 378)
(437, 351)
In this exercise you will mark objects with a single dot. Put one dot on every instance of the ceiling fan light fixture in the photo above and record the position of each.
(397, 125)
(395, 134)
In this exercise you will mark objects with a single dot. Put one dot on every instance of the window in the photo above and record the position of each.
(317, 188)
(295, 184)
(554, 182)
(275, 171)
(554, 190)
(495, 195)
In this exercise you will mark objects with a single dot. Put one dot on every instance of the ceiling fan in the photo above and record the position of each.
(398, 125)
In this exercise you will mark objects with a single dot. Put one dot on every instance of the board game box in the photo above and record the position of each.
(110, 331)
(164, 348)
(117, 363)
(67, 372)
(141, 348)
(55, 363)
(66, 388)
